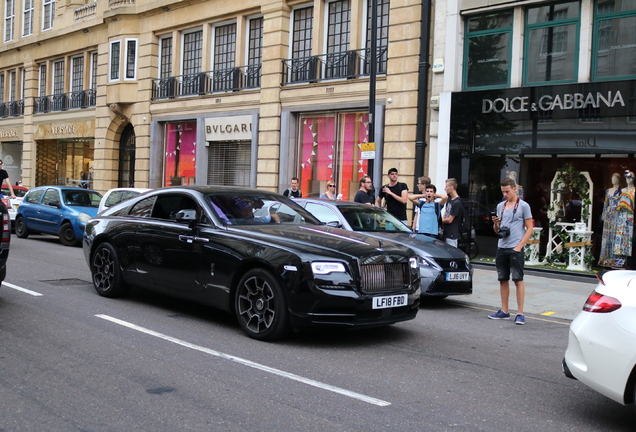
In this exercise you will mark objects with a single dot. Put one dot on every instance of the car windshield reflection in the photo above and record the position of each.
(82, 198)
(371, 219)
(255, 209)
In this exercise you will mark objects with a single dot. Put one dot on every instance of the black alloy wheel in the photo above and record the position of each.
(67, 235)
(107, 277)
(261, 307)
(21, 229)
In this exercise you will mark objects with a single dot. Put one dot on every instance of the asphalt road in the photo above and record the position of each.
(73, 361)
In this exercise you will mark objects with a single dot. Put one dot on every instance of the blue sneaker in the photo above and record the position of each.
(520, 319)
(499, 315)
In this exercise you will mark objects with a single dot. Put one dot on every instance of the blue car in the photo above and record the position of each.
(57, 210)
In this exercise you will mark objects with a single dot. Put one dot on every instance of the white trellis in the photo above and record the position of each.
(555, 244)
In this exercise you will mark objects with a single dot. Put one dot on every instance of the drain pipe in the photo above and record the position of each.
(422, 94)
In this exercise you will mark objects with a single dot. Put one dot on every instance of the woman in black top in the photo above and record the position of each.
(4, 176)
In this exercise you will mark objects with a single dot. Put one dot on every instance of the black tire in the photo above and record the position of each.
(67, 235)
(474, 250)
(106, 272)
(261, 307)
(21, 229)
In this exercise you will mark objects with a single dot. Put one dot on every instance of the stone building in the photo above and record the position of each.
(155, 93)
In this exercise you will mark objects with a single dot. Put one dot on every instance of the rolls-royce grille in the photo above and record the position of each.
(384, 277)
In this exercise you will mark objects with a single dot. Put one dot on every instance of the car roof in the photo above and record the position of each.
(330, 202)
(15, 187)
(63, 188)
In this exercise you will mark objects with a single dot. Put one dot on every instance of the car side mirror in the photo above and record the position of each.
(186, 216)
(334, 224)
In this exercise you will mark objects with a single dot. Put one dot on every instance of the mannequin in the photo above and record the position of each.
(609, 217)
(624, 227)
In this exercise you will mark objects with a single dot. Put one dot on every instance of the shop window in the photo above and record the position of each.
(330, 151)
(613, 49)
(229, 163)
(487, 51)
(551, 44)
(48, 13)
(180, 152)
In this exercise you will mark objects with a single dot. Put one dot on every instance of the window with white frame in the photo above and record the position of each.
(27, 18)
(115, 58)
(165, 57)
(338, 30)
(131, 59)
(58, 77)
(42, 80)
(48, 13)
(12, 85)
(93, 77)
(192, 79)
(254, 52)
(9, 20)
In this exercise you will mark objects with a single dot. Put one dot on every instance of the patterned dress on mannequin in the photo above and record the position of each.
(609, 218)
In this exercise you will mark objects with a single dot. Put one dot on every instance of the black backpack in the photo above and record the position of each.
(464, 223)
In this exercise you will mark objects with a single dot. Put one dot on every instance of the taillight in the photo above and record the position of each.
(600, 303)
(5, 202)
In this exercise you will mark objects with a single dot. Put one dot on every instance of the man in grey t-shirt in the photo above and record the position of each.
(513, 224)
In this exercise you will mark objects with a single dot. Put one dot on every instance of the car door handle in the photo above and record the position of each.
(202, 239)
(185, 238)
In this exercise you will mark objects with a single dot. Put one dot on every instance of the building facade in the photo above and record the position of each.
(155, 93)
(533, 90)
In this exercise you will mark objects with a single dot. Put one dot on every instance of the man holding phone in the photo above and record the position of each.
(513, 224)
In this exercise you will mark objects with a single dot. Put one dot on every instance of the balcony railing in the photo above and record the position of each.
(85, 12)
(12, 108)
(64, 101)
(342, 65)
(222, 80)
(117, 3)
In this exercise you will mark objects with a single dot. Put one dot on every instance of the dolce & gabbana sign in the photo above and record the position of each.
(233, 128)
(606, 99)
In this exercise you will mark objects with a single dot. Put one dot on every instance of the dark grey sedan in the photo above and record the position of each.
(445, 270)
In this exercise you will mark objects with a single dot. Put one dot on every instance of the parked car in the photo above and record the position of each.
(445, 270)
(601, 350)
(275, 272)
(5, 240)
(13, 203)
(57, 210)
(117, 195)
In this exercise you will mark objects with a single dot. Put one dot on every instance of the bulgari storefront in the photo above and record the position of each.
(562, 144)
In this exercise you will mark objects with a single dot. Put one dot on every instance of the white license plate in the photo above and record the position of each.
(390, 301)
(457, 276)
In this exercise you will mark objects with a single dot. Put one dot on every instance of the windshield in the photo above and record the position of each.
(81, 198)
(372, 219)
(254, 208)
(17, 192)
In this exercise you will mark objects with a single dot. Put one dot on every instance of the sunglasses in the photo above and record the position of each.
(331, 185)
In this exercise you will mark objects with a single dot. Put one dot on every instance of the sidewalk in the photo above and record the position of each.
(554, 295)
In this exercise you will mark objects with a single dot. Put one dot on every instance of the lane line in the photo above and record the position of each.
(249, 363)
(24, 290)
(527, 317)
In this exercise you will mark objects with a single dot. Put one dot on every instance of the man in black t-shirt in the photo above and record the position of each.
(396, 195)
(4, 176)
(293, 192)
(364, 194)
(451, 213)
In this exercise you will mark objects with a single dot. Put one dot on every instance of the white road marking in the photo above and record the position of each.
(249, 363)
(24, 290)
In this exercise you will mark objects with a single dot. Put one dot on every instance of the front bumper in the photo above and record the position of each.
(434, 282)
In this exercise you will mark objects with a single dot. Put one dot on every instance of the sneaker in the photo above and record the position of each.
(520, 319)
(499, 315)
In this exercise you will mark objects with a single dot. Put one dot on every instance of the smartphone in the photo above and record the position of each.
(493, 214)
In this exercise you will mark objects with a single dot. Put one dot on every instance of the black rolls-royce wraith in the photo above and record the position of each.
(275, 271)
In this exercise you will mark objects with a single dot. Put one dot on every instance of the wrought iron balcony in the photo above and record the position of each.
(222, 80)
(64, 101)
(12, 108)
(342, 65)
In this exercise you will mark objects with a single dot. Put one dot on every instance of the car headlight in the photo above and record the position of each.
(323, 268)
(83, 217)
(413, 262)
